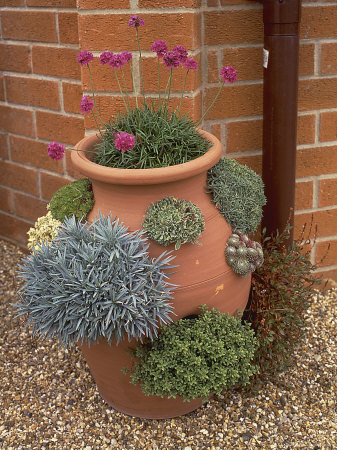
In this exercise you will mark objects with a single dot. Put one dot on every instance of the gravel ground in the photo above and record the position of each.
(49, 400)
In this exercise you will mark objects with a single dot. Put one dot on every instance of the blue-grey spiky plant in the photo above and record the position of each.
(96, 281)
(238, 194)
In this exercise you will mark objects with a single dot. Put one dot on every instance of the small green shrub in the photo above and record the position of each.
(171, 220)
(75, 199)
(281, 291)
(242, 254)
(162, 139)
(96, 281)
(238, 194)
(194, 358)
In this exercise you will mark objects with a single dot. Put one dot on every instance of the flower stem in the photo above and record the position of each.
(182, 94)
(120, 90)
(134, 86)
(214, 100)
(100, 132)
(126, 89)
(159, 79)
(93, 96)
(141, 66)
(169, 91)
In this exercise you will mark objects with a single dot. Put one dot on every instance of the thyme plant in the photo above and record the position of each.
(95, 281)
(196, 357)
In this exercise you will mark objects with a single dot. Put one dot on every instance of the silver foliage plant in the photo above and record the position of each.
(96, 281)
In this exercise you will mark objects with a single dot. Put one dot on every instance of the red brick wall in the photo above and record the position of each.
(40, 90)
(41, 87)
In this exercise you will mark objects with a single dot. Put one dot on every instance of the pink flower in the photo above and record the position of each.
(191, 64)
(86, 105)
(116, 61)
(159, 47)
(85, 57)
(124, 141)
(182, 53)
(56, 150)
(104, 57)
(228, 74)
(136, 21)
(126, 56)
(172, 59)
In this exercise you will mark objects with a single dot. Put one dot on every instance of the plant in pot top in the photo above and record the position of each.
(99, 274)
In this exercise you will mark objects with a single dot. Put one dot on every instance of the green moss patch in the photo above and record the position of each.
(74, 199)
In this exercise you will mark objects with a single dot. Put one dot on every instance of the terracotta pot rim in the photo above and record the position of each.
(144, 176)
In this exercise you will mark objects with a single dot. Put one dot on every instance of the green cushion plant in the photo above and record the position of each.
(237, 192)
(196, 357)
(76, 198)
(171, 220)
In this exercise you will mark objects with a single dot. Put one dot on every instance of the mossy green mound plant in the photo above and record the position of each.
(237, 192)
(242, 254)
(96, 281)
(76, 198)
(45, 229)
(162, 138)
(196, 357)
(173, 221)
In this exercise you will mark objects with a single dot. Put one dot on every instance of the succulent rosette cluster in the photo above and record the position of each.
(242, 254)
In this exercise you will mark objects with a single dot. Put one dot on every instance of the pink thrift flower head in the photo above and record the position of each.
(124, 141)
(136, 21)
(85, 57)
(116, 61)
(126, 56)
(56, 150)
(228, 74)
(159, 47)
(171, 59)
(105, 57)
(191, 64)
(182, 53)
(86, 105)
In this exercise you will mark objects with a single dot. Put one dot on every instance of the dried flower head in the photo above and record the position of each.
(85, 57)
(124, 141)
(159, 47)
(136, 21)
(105, 57)
(172, 59)
(191, 64)
(228, 74)
(182, 53)
(56, 150)
(86, 105)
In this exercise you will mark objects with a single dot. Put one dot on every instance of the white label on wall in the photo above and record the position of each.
(265, 58)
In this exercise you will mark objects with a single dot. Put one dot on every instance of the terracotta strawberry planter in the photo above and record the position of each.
(203, 276)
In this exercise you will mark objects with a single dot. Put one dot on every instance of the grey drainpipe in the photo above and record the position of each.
(280, 86)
